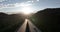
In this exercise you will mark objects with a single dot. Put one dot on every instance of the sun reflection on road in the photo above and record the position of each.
(26, 20)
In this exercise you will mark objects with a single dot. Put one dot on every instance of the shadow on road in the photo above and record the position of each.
(27, 28)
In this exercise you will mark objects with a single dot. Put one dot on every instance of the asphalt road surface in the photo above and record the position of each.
(27, 26)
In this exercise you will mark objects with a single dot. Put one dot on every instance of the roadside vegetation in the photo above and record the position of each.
(10, 23)
(47, 20)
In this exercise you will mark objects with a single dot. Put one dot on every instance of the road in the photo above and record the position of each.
(27, 26)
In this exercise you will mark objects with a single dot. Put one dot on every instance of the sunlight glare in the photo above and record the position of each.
(27, 10)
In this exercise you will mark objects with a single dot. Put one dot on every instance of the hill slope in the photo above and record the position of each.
(9, 23)
(48, 20)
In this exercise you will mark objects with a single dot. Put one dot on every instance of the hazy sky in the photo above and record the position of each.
(35, 5)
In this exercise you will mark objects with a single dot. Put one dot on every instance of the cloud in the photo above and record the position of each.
(30, 1)
(10, 5)
(2, 0)
(14, 5)
(21, 4)
(6, 6)
(37, 0)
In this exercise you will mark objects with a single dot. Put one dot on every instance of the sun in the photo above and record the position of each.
(26, 10)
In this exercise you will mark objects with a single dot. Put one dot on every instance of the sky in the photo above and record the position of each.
(15, 6)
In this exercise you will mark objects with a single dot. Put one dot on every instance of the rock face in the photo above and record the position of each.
(9, 23)
(48, 20)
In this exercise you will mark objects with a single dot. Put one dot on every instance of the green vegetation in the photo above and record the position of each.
(47, 20)
(10, 23)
